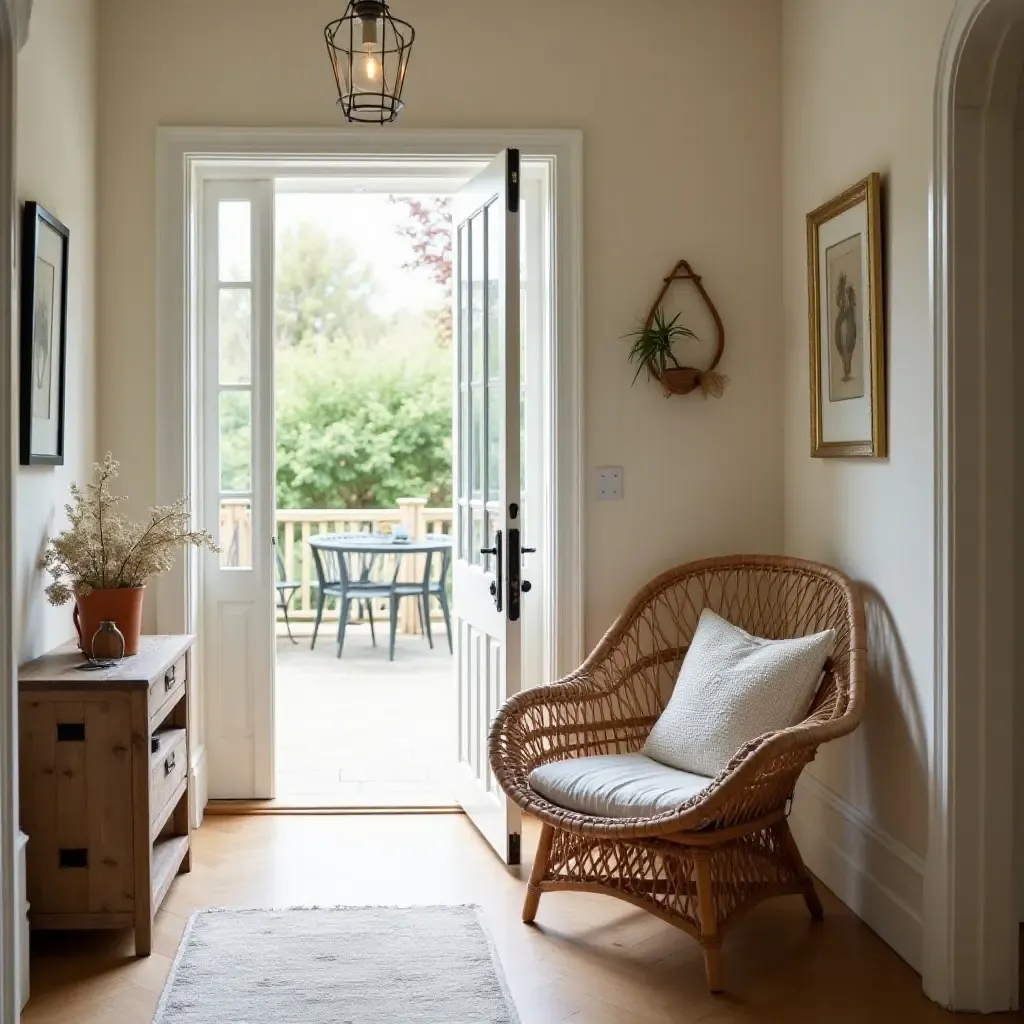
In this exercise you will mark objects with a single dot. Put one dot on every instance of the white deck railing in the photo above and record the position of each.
(296, 527)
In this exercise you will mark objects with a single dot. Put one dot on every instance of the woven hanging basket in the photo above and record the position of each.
(681, 380)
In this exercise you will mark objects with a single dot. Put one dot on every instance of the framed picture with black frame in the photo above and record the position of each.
(43, 309)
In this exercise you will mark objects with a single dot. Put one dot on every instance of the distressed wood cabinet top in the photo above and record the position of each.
(61, 668)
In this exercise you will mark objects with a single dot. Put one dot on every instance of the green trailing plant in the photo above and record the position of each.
(652, 345)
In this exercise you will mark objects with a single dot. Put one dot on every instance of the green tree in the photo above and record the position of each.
(428, 228)
(363, 401)
(322, 289)
(361, 426)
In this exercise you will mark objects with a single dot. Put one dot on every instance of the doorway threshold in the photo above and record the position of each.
(224, 808)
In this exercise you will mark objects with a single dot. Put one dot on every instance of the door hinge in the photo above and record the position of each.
(513, 181)
(514, 848)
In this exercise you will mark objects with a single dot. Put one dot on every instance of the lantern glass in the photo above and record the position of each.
(369, 51)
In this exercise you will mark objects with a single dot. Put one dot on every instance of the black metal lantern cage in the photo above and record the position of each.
(369, 51)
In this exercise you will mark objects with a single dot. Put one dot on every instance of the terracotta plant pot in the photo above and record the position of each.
(679, 380)
(122, 606)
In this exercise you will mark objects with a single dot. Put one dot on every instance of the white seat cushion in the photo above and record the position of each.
(615, 785)
(732, 688)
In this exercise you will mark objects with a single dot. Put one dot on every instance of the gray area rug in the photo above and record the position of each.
(346, 965)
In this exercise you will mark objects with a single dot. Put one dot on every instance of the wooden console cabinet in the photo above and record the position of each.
(104, 759)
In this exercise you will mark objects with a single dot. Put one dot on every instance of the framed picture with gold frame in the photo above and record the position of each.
(847, 327)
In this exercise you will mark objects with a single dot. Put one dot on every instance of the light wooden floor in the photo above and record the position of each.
(592, 960)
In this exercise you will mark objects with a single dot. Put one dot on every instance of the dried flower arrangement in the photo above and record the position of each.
(102, 550)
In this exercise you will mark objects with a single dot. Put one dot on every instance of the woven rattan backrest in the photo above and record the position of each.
(776, 598)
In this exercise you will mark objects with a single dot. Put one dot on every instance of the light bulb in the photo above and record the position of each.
(370, 66)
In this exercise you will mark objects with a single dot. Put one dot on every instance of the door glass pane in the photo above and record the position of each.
(523, 221)
(476, 452)
(234, 335)
(476, 287)
(234, 240)
(495, 268)
(489, 525)
(494, 417)
(235, 534)
(463, 356)
(479, 538)
(235, 441)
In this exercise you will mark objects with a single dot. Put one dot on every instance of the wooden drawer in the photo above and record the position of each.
(166, 691)
(168, 764)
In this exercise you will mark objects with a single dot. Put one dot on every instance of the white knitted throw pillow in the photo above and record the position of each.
(732, 688)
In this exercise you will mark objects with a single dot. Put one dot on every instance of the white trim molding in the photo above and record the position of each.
(186, 154)
(14, 20)
(874, 874)
(970, 927)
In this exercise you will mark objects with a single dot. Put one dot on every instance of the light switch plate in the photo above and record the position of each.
(609, 483)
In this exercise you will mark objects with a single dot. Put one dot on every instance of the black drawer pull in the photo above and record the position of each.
(169, 763)
(169, 680)
(71, 732)
(154, 744)
(74, 858)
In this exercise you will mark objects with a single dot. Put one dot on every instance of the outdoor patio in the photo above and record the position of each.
(360, 730)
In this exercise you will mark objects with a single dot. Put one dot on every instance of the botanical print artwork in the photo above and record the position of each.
(846, 324)
(845, 305)
(42, 341)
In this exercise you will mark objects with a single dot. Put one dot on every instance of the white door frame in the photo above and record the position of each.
(970, 948)
(181, 152)
(14, 22)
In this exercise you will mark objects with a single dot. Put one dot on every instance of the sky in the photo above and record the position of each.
(370, 221)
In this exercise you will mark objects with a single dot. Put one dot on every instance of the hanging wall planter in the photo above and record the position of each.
(654, 343)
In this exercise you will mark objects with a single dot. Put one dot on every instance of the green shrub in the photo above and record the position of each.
(361, 425)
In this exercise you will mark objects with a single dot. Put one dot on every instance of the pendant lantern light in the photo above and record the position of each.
(369, 51)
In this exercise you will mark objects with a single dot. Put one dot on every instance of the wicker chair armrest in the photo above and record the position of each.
(543, 724)
(606, 705)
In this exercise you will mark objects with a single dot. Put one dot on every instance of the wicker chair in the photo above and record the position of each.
(703, 864)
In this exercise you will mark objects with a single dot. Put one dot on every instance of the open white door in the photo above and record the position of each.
(236, 334)
(487, 581)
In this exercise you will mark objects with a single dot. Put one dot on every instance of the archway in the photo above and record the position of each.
(971, 912)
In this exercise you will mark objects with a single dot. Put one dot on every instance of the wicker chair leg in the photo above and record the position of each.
(708, 922)
(811, 897)
(540, 866)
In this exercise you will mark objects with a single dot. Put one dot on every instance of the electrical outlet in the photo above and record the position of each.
(609, 483)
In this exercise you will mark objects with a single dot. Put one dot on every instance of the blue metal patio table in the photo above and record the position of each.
(335, 560)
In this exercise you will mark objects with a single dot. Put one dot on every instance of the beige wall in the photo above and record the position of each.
(56, 133)
(681, 135)
(857, 88)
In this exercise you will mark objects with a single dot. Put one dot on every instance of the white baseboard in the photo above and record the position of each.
(21, 953)
(879, 878)
(200, 785)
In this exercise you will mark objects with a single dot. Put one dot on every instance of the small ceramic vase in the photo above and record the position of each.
(107, 643)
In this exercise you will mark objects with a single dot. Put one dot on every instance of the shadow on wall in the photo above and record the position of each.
(894, 735)
(32, 606)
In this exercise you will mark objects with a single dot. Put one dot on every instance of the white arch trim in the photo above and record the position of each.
(970, 945)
